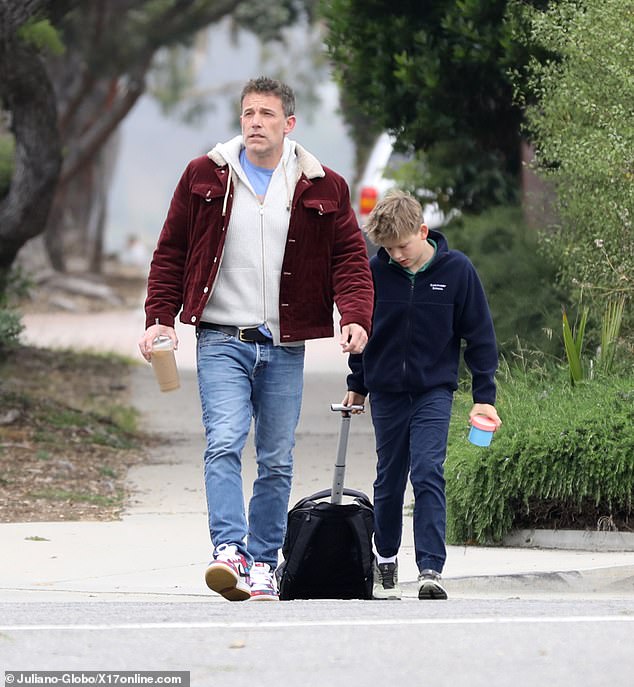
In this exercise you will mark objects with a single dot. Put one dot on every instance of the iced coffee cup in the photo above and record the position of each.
(164, 363)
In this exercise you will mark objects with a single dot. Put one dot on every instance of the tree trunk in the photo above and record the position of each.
(538, 196)
(89, 139)
(27, 94)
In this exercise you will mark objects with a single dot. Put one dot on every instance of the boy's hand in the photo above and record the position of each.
(488, 410)
(353, 399)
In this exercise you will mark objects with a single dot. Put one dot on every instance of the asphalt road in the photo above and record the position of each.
(470, 643)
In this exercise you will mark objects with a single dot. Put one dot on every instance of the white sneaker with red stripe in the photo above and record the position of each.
(263, 586)
(228, 574)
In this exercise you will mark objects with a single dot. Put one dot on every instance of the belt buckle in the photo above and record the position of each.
(251, 335)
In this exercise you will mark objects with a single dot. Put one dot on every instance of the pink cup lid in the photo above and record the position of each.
(483, 422)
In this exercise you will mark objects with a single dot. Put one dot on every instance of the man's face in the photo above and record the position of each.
(264, 127)
(411, 251)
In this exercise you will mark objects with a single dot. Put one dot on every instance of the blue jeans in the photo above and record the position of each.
(238, 381)
(411, 440)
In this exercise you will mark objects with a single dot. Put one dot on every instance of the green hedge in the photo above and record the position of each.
(563, 455)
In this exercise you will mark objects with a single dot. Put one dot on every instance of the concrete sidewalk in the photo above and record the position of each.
(161, 546)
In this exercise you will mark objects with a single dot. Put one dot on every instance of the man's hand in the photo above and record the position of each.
(488, 410)
(353, 338)
(352, 398)
(145, 342)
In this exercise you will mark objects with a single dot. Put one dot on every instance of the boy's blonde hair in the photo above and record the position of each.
(394, 217)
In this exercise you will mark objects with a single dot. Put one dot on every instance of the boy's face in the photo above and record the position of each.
(411, 251)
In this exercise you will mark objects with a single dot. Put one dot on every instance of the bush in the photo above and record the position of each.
(519, 282)
(10, 329)
(563, 458)
(13, 285)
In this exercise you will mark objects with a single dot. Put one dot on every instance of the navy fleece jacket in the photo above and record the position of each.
(418, 326)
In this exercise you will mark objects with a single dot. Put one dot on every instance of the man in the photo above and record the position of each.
(258, 241)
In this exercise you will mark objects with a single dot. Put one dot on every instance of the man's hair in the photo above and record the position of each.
(396, 216)
(271, 87)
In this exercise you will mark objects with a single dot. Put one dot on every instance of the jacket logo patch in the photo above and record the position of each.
(438, 287)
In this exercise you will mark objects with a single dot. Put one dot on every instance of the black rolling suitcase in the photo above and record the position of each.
(328, 544)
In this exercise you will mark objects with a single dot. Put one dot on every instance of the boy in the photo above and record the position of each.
(427, 299)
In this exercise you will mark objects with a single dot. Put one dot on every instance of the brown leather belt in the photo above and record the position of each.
(250, 335)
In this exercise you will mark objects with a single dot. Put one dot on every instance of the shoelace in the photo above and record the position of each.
(261, 577)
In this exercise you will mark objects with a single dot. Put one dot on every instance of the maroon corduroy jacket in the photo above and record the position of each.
(325, 258)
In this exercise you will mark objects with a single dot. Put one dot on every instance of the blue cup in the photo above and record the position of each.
(481, 432)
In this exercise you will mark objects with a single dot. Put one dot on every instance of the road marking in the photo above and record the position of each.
(320, 623)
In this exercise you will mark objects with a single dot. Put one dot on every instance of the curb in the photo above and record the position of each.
(615, 580)
(571, 540)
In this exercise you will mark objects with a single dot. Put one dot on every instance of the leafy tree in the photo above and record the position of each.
(583, 126)
(111, 50)
(109, 47)
(435, 73)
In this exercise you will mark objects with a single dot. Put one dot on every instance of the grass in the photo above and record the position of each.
(78, 497)
(71, 438)
(564, 457)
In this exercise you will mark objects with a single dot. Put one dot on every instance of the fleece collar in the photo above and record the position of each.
(229, 154)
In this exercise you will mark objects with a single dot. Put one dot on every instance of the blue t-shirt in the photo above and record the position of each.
(258, 176)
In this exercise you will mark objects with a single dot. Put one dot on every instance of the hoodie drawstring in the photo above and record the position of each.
(226, 198)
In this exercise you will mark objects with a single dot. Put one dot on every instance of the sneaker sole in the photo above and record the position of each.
(432, 591)
(223, 581)
(387, 595)
(393, 597)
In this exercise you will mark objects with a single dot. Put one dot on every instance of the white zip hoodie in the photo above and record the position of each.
(246, 292)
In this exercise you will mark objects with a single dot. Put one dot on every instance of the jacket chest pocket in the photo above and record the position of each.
(206, 194)
(319, 217)
(205, 206)
(322, 208)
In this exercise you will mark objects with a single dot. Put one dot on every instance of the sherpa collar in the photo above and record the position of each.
(229, 153)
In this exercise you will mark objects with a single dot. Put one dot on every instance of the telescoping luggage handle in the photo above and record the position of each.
(340, 463)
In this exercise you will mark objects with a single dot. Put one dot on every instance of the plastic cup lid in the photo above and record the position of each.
(483, 422)
(162, 343)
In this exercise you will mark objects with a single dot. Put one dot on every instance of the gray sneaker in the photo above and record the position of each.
(385, 581)
(429, 586)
